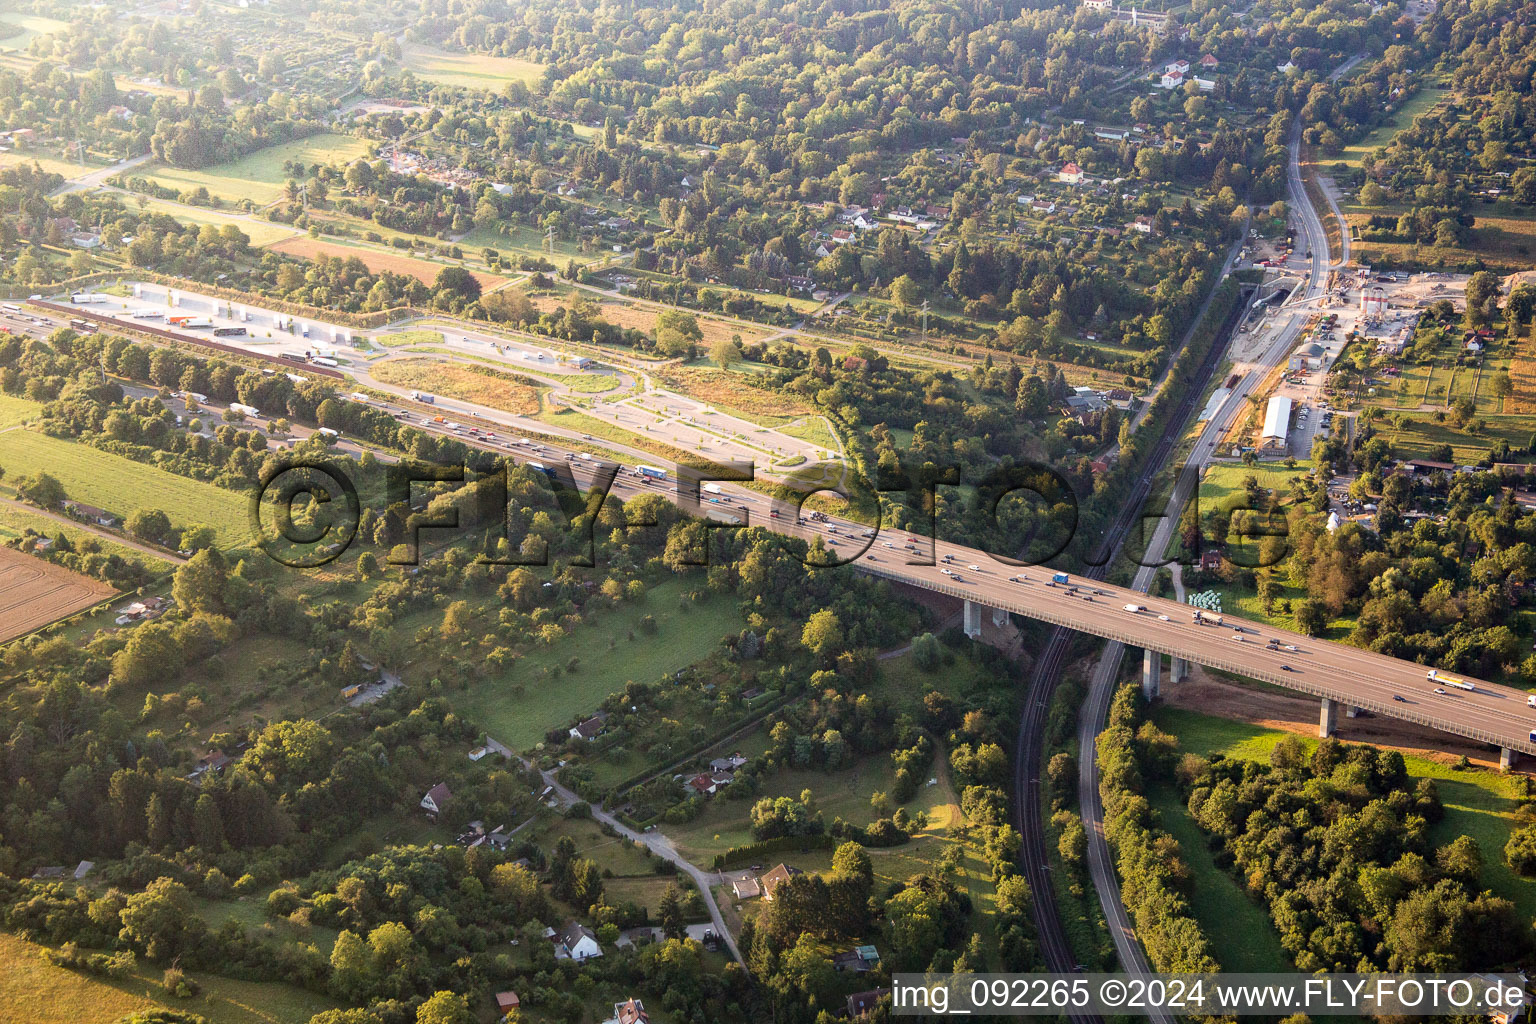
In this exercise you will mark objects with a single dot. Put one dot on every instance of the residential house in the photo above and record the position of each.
(1043, 206)
(1287, 68)
(1110, 134)
(506, 1002)
(746, 888)
(1070, 174)
(1209, 62)
(80, 510)
(1099, 5)
(800, 282)
(1120, 398)
(864, 222)
(1142, 223)
(860, 959)
(1171, 80)
(1178, 67)
(576, 942)
(437, 798)
(775, 878)
(861, 1004)
(704, 784)
(1210, 560)
(939, 213)
(630, 1011)
(589, 729)
(727, 764)
(842, 236)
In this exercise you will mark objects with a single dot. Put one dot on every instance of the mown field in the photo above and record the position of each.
(458, 380)
(122, 486)
(37, 992)
(1479, 804)
(470, 70)
(1420, 102)
(14, 411)
(258, 176)
(685, 633)
(17, 30)
(261, 233)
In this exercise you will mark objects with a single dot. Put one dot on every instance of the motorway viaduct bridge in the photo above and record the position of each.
(1341, 677)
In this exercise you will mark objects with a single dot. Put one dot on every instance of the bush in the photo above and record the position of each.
(1520, 851)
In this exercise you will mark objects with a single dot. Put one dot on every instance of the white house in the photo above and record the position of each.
(1171, 80)
(436, 799)
(577, 942)
(1179, 66)
(1287, 68)
(1070, 174)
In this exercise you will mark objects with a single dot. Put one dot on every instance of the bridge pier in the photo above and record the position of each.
(1000, 617)
(1506, 759)
(1178, 670)
(1151, 673)
(972, 619)
(1328, 720)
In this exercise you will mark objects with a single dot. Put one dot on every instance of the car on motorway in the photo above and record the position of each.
(957, 577)
(1164, 618)
(974, 568)
(1400, 698)
(1286, 668)
(1440, 690)
(946, 572)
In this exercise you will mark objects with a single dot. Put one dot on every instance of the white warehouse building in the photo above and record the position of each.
(1277, 422)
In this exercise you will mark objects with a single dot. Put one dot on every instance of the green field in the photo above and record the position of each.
(683, 636)
(1421, 435)
(15, 410)
(37, 992)
(1479, 804)
(1237, 926)
(1419, 103)
(122, 486)
(20, 29)
(15, 520)
(259, 232)
(48, 162)
(470, 70)
(259, 176)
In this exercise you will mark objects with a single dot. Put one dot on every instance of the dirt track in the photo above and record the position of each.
(1212, 695)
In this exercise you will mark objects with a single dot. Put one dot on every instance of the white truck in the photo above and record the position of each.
(1134, 608)
(710, 488)
(1436, 676)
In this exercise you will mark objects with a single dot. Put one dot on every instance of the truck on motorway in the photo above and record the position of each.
(1133, 608)
(651, 472)
(423, 397)
(1436, 676)
(710, 488)
(1059, 577)
(1199, 617)
(540, 467)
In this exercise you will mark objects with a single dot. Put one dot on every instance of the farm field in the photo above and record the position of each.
(481, 385)
(1480, 804)
(37, 992)
(34, 593)
(470, 70)
(377, 261)
(122, 486)
(686, 631)
(258, 176)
